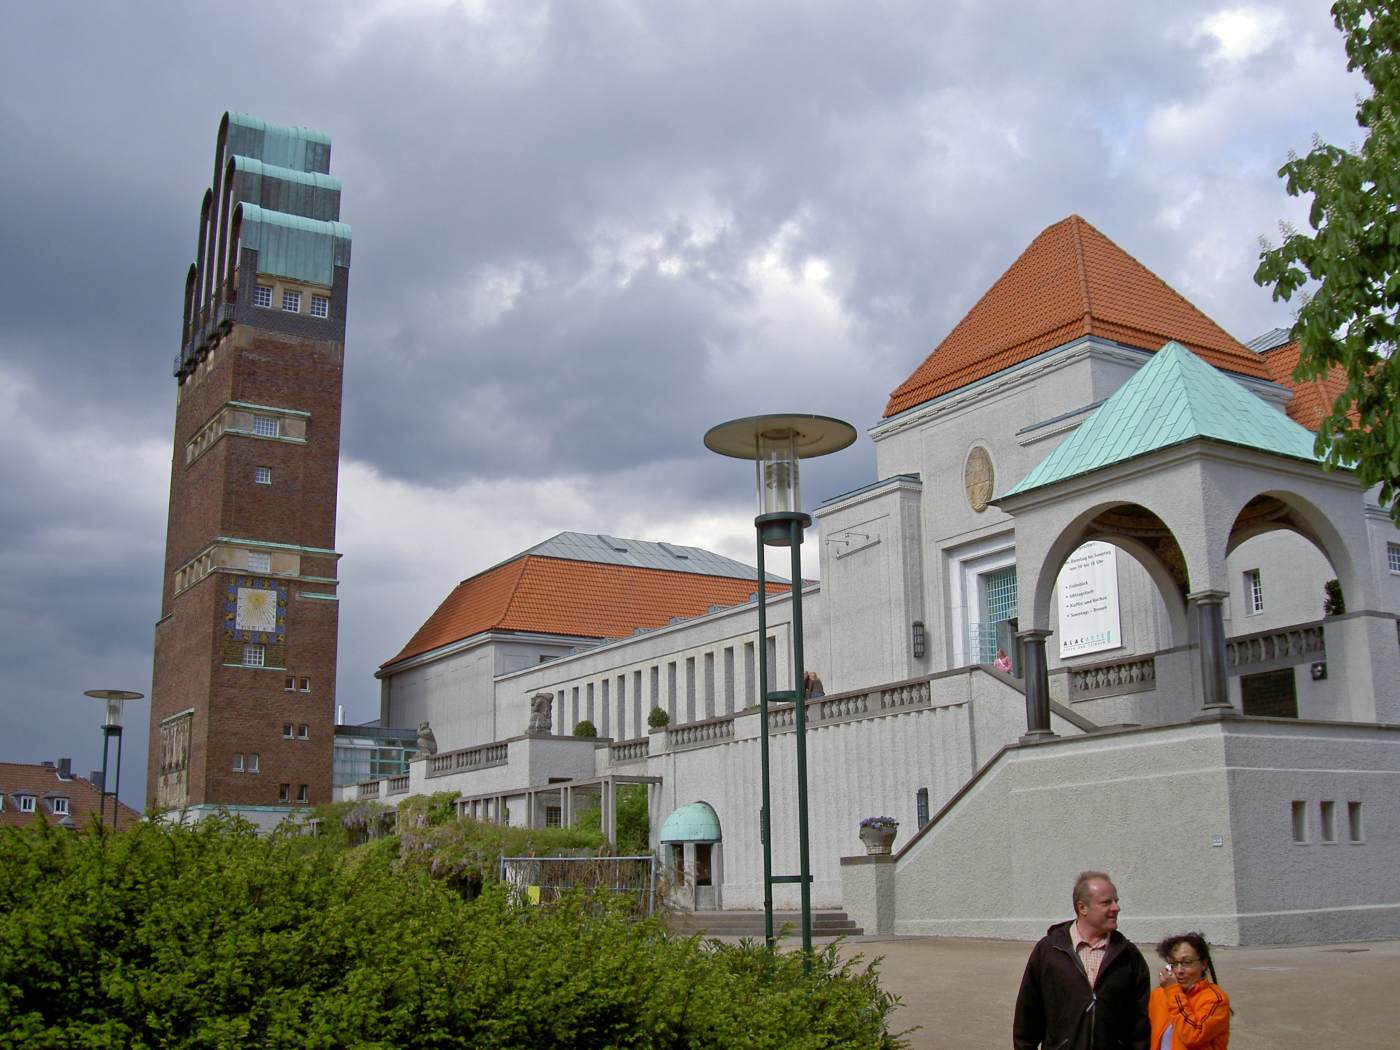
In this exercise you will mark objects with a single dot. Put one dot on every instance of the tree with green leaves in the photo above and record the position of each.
(1346, 272)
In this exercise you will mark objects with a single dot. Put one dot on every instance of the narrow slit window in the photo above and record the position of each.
(1327, 812)
(1300, 821)
(1253, 592)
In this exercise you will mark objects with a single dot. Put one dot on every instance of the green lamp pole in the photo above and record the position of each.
(112, 700)
(776, 444)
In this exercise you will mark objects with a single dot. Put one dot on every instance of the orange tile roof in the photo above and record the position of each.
(1312, 398)
(42, 781)
(1072, 281)
(573, 598)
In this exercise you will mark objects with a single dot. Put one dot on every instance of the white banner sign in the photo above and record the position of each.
(1088, 586)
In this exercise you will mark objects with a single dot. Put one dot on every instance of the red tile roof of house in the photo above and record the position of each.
(44, 784)
(1072, 281)
(1312, 398)
(575, 599)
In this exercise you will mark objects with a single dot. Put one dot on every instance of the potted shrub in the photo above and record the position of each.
(658, 719)
(586, 729)
(878, 834)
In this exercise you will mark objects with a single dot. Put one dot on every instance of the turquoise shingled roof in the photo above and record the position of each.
(1173, 398)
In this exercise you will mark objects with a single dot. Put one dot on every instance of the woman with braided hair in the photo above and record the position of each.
(1188, 1012)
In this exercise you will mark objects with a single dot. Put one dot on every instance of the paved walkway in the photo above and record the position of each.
(961, 992)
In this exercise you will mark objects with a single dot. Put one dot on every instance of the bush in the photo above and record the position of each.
(586, 729)
(1333, 601)
(658, 719)
(210, 936)
(633, 828)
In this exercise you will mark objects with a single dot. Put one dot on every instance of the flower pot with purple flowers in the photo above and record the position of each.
(878, 834)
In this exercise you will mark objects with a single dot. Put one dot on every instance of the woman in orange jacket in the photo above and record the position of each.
(1187, 1011)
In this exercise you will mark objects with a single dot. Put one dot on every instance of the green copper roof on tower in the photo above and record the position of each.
(1173, 398)
(294, 246)
(303, 149)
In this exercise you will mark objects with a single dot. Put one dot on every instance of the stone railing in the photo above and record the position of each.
(1113, 678)
(1272, 649)
(698, 734)
(629, 750)
(367, 789)
(467, 759)
(398, 785)
(844, 707)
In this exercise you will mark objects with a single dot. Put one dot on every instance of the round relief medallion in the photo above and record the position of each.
(978, 478)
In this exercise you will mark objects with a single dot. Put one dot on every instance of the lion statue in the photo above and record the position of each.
(541, 714)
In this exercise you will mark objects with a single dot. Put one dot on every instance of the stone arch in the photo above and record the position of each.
(1141, 532)
(1272, 510)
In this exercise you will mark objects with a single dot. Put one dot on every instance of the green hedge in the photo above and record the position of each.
(211, 936)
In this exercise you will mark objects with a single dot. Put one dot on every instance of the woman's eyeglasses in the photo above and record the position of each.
(1174, 963)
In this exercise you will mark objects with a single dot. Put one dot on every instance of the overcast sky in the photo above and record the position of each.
(583, 234)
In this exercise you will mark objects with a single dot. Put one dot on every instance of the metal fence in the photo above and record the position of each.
(539, 879)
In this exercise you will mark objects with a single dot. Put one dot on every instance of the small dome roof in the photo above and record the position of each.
(695, 822)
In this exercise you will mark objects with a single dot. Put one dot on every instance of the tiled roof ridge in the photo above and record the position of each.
(1245, 351)
(638, 568)
(1075, 222)
(508, 606)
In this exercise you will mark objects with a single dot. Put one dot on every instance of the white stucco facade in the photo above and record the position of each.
(915, 726)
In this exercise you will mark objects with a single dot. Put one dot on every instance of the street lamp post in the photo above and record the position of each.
(112, 700)
(776, 444)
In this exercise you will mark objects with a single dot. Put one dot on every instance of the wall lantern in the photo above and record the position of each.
(920, 644)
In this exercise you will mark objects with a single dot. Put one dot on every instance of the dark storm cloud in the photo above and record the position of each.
(584, 233)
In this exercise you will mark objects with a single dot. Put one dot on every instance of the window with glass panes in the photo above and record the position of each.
(262, 296)
(998, 604)
(291, 302)
(320, 306)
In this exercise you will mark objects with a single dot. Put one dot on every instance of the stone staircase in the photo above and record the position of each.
(750, 924)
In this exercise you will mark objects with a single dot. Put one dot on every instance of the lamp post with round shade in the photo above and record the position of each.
(777, 444)
(112, 701)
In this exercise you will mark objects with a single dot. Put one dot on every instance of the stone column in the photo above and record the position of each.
(1210, 628)
(1037, 677)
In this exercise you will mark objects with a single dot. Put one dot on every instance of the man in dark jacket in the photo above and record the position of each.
(1085, 986)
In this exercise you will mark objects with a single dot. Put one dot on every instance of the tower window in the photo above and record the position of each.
(306, 685)
(238, 761)
(302, 794)
(291, 302)
(320, 306)
(291, 684)
(1253, 592)
(284, 792)
(303, 732)
(1392, 555)
(254, 655)
(253, 762)
(267, 426)
(262, 296)
(259, 561)
(286, 730)
(262, 475)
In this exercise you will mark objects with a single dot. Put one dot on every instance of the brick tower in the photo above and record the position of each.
(243, 693)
